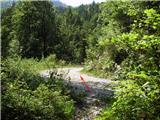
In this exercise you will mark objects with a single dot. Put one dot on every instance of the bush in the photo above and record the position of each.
(135, 102)
(50, 61)
(136, 98)
(26, 95)
(138, 94)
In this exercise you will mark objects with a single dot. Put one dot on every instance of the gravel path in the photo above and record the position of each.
(74, 75)
(92, 104)
(98, 86)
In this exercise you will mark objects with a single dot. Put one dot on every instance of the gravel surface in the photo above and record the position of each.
(92, 103)
(74, 75)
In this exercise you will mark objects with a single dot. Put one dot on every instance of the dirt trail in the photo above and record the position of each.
(74, 75)
(92, 104)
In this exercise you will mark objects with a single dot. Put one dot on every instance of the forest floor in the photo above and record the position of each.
(95, 100)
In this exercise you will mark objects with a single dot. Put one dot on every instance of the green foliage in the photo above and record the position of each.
(26, 95)
(37, 29)
(120, 41)
(49, 62)
(41, 103)
(136, 98)
(119, 38)
(110, 24)
(34, 30)
(6, 28)
(75, 25)
(136, 56)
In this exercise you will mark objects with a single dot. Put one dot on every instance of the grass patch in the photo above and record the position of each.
(97, 73)
(106, 112)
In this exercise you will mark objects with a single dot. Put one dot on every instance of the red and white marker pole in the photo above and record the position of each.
(87, 87)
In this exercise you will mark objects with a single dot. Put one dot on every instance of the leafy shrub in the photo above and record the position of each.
(137, 98)
(49, 61)
(134, 102)
(138, 94)
(26, 95)
(41, 103)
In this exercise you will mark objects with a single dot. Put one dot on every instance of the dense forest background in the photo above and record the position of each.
(115, 39)
(62, 31)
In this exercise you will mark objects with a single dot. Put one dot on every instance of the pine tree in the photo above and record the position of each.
(34, 28)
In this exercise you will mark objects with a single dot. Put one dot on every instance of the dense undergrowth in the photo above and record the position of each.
(131, 56)
(116, 39)
(27, 95)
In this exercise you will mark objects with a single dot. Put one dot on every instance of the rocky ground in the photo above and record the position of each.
(91, 103)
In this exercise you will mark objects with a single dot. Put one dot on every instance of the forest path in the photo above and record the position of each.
(74, 75)
(89, 106)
